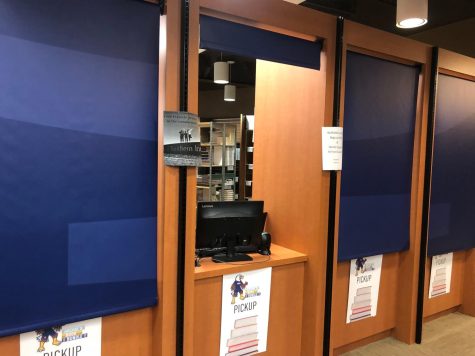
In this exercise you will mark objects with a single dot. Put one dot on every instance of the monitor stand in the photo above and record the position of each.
(231, 255)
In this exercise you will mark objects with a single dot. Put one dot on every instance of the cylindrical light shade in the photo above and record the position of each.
(229, 92)
(221, 72)
(411, 13)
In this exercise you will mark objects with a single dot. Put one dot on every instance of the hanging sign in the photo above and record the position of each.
(440, 275)
(365, 274)
(245, 312)
(76, 339)
(181, 139)
(332, 148)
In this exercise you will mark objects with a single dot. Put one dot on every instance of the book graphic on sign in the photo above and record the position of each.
(361, 308)
(243, 339)
(439, 286)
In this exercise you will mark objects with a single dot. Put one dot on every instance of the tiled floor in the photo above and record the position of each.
(450, 335)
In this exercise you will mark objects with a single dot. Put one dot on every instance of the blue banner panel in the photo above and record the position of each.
(78, 158)
(378, 140)
(231, 37)
(452, 202)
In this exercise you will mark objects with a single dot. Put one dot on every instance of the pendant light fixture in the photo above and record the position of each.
(221, 74)
(411, 13)
(229, 89)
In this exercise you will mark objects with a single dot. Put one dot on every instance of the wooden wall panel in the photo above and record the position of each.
(387, 304)
(285, 313)
(468, 301)
(128, 334)
(10, 346)
(455, 297)
(289, 114)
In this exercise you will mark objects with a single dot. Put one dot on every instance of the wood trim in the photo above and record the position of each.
(456, 74)
(381, 55)
(405, 329)
(193, 64)
(456, 63)
(275, 15)
(441, 313)
(164, 321)
(387, 43)
(468, 301)
(360, 343)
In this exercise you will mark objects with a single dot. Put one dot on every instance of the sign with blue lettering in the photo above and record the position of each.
(245, 312)
(77, 339)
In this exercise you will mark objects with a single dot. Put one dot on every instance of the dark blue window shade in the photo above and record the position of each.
(78, 160)
(380, 111)
(221, 35)
(452, 202)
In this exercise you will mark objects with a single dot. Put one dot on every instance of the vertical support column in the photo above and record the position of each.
(333, 191)
(468, 302)
(182, 186)
(427, 189)
(178, 90)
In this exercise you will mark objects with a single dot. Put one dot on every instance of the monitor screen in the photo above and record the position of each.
(241, 220)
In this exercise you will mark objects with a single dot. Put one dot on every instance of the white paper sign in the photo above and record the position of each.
(440, 275)
(77, 339)
(245, 312)
(365, 274)
(332, 148)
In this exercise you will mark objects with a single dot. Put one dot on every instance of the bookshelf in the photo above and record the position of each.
(217, 175)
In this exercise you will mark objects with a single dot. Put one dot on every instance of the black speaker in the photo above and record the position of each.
(264, 244)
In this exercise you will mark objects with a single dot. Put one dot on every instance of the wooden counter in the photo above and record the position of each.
(286, 301)
(280, 256)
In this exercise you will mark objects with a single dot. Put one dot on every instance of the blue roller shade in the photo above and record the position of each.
(452, 203)
(380, 111)
(78, 160)
(221, 35)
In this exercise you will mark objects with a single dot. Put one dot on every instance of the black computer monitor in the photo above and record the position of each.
(228, 230)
